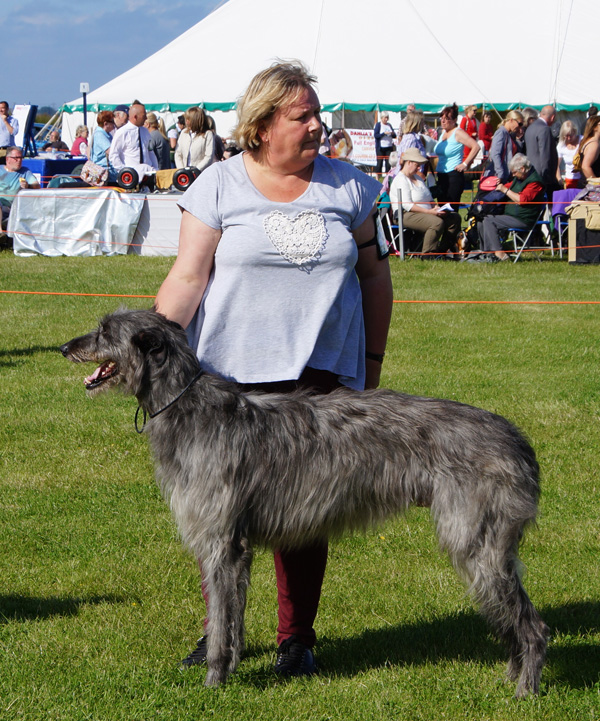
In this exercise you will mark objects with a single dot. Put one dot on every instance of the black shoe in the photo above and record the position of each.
(197, 656)
(295, 659)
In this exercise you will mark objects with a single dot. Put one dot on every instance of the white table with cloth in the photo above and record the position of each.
(93, 221)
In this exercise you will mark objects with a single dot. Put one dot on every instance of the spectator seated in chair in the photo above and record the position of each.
(14, 178)
(55, 143)
(440, 228)
(526, 193)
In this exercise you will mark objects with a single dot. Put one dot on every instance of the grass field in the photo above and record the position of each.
(98, 601)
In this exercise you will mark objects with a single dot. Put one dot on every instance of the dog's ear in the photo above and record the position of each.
(151, 342)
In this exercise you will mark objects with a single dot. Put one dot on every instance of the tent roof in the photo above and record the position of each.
(430, 53)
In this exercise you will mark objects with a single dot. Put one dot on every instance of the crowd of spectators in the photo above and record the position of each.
(125, 136)
(526, 158)
(128, 136)
(430, 165)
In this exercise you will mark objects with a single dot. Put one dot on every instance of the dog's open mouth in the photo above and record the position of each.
(102, 373)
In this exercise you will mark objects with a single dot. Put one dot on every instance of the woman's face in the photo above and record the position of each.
(447, 122)
(410, 167)
(293, 136)
(109, 126)
(514, 125)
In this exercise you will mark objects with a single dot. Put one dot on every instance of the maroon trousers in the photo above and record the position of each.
(299, 572)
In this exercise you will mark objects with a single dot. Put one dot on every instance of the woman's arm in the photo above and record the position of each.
(590, 155)
(377, 298)
(182, 290)
(470, 143)
(498, 155)
(206, 158)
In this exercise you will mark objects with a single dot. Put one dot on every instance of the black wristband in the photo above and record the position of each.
(375, 356)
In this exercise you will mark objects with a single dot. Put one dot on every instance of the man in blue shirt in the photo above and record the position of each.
(9, 127)
(14, 178)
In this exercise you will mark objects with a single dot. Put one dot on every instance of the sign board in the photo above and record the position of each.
(22, 113)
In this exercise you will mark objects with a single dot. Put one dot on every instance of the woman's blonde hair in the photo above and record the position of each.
(514, 115)
(154, 121)
(413, 122)
(567, 128)
(80, 129)
(274, 88)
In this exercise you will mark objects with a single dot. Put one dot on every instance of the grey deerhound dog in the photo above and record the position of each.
(284, 470)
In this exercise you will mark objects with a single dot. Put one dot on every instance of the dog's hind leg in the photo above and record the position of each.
(227, 576)
(497, 587)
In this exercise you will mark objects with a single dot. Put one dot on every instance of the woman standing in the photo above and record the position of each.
(101, 141)
(486, 132)
(450, 165)
(504, 146)
(159, 143)
(196, 145)
(279, 283)
(568, 142)
(411, 138)
(469, 125)
(589, 149)
(384, 142)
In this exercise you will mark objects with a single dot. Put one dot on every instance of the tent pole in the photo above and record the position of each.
(53, 120)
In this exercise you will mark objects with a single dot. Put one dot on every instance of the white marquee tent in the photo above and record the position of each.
(374, 57)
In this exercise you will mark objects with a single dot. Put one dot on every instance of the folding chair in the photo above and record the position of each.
(561, 223)
(560, 200)
(409, 242)
(523, 238)
(385, 209)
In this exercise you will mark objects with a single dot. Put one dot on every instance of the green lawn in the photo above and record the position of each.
(98, 601)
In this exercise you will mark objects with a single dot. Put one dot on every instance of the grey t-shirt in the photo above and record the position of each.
(283, 293)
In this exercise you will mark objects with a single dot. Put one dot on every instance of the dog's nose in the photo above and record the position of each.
(64, 349)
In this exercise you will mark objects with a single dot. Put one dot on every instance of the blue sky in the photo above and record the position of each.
(55, 45)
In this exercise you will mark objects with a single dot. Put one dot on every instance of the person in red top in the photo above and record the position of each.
(486, 132)
(469, 125)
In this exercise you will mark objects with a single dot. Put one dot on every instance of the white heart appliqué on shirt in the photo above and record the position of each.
(299, 240)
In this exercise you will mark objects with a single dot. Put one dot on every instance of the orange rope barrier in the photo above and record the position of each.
(505, 302)
(448, 302)
(84, 295)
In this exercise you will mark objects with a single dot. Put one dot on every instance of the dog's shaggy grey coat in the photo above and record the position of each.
(283, 470)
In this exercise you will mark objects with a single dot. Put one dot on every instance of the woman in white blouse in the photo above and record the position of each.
(195, 145)
(440, 228)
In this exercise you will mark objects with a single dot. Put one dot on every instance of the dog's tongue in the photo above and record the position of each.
(95, 375)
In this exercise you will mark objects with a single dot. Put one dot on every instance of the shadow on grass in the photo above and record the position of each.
(30, 608)
(7, 356)
(574, 664)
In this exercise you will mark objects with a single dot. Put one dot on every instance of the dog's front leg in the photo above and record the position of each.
(226, 572)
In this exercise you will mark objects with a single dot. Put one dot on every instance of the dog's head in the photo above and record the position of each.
(132, 348)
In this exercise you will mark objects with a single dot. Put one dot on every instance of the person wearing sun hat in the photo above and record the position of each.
(440, 228)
